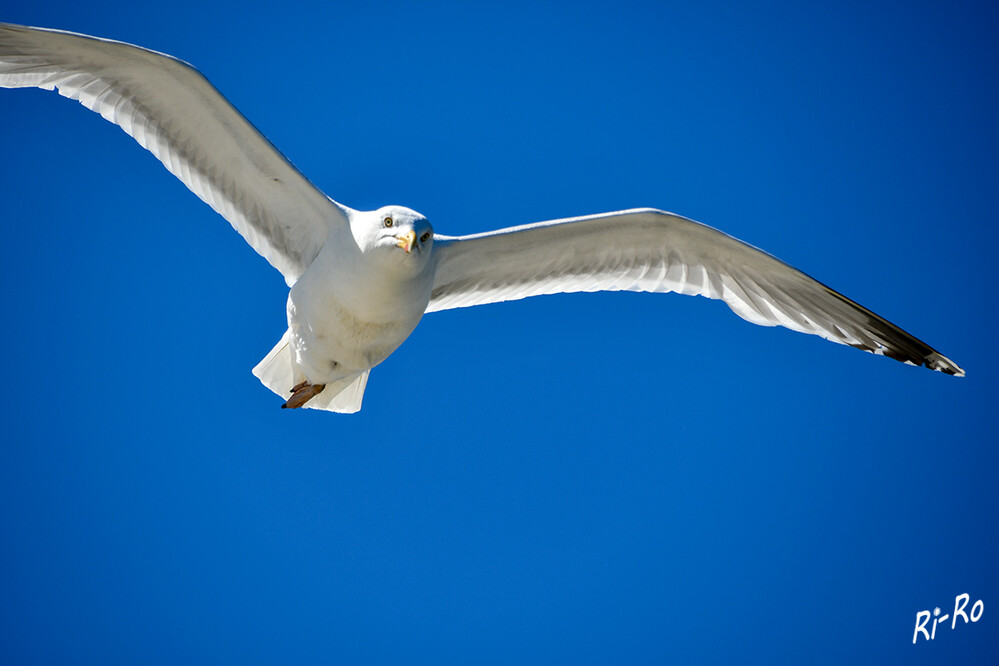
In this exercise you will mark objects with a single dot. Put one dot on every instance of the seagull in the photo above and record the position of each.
(360, 281)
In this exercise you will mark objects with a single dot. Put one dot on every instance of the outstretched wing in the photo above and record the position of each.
(650, 250)
(175, 113)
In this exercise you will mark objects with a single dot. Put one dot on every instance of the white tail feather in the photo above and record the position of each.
(277, 370)
(278, 373)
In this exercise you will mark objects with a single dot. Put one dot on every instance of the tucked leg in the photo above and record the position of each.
(302, 393)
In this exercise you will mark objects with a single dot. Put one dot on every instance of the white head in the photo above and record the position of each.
(393, 235)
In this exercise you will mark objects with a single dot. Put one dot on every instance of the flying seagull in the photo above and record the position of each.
(360, 281)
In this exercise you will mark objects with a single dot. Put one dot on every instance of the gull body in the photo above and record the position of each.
(360, 281)
(355, 304)
(353, 309)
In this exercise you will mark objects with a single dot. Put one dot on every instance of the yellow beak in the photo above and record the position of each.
(406, 242)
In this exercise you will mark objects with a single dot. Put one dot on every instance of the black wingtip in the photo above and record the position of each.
(943, 364)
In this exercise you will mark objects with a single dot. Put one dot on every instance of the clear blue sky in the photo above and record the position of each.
(611, 478)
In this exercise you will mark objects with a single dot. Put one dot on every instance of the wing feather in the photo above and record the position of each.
(655, 251)
(171, 110)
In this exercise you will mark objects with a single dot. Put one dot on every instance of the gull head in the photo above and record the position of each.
(394, 235)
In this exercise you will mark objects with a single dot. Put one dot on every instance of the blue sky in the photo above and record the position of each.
(595, 478)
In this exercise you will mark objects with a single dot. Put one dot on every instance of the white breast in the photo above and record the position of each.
(346, 315)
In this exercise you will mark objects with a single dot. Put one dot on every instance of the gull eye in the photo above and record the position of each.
(425, 237)
(388, 221)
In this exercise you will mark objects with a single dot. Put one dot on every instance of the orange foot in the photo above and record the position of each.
(302, 393)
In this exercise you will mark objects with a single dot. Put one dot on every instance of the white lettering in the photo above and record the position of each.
(936, 611)
(921, 626)
(960, 610)
(961, 599)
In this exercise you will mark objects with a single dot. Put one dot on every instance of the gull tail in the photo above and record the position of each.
(277, 372)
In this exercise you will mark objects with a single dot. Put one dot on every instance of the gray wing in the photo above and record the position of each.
(176, 114)
(650, 250)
